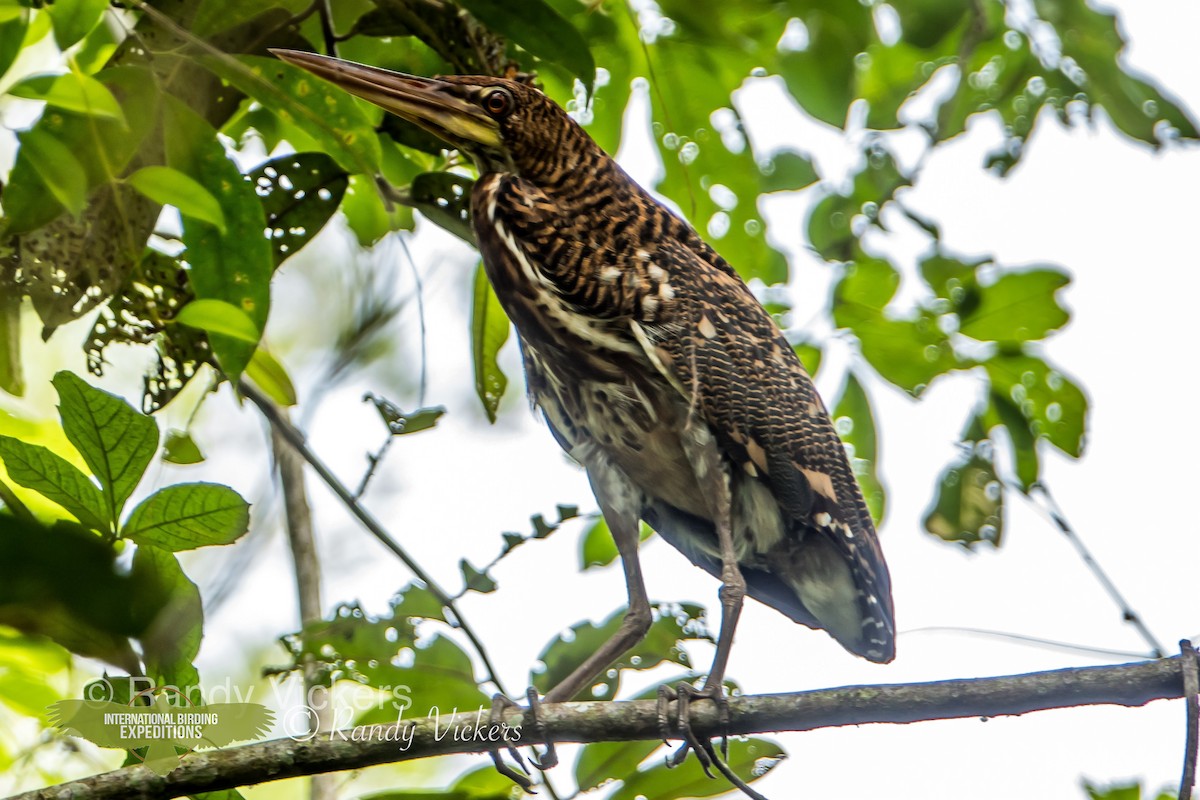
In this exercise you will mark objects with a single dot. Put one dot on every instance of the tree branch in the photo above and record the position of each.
(298, 518)
(295, 439)
(1123, 684)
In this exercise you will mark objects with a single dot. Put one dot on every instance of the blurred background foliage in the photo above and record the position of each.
(132, 202)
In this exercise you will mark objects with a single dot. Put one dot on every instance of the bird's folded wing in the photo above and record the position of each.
(720, 348)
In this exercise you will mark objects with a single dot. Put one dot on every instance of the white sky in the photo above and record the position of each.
(1119, 217)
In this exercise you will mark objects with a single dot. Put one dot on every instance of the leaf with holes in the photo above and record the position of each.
(233, 266)
(489, 332)
(116, 442)
(299, 194)
(189, 515)
(446, 199)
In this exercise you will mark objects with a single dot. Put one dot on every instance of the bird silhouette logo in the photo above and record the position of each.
(168, 731)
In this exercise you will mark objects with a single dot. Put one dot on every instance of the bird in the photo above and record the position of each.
(655, 368)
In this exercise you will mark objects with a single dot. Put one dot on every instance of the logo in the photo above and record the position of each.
(163, 720)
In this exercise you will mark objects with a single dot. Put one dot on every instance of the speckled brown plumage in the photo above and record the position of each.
(657, 369)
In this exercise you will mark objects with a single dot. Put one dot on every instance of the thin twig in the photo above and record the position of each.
(326, 15)
(1191, 686)
(211, 770)
(420, 316)
(296, 440)
(373, 460)
(298, 516)
(1054, 512)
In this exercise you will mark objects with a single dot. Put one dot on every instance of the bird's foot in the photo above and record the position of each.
(532, 721)
(548, 758)
(685, 694)
(501, 704)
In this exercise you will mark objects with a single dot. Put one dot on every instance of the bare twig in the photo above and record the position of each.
(331, 39)
(296, 441)
(1049, 506)
(1124, 684)
(308, 587)
(1191, 686)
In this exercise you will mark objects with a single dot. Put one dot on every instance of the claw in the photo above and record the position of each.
(548, 758)
(684, 694)
(500, 704)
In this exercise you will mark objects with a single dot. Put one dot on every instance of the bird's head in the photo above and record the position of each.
(503, 125)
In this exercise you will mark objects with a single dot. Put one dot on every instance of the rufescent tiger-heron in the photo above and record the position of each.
(656, 369)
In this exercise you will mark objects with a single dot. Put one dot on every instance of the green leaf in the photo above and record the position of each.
(539, 29)
(12, 377)
(787, 170)
(73, 19)
(489, 332)
(1053, 406)
(909, 353)
(445, 198)
(189, 515)
(415, 600)
(58, 168)
(1018, 307)
(398, 422)
(855, 424)
(821, 76)
(12, 36)
(749, 758)
(597, 548)
(601, 762)
(673, 623)
(809, 355)
(1002, 412)
(181, 448)
(171, 639)
(969, 506)
(116, 442)
(73, 91)
(63, 583)
(233, 266)
(217, 316)
(319, 109)
(474, 580)
(270, 376)
(37, 468)
(98, 150)
(299, 193)
(171, 187)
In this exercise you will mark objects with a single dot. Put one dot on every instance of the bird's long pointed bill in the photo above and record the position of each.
(423, 101)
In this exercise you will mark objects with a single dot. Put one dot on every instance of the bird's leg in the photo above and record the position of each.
(714, 482)
(500, 704)
(622, 520)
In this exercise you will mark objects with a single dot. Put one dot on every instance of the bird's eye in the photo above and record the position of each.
(498, 103)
